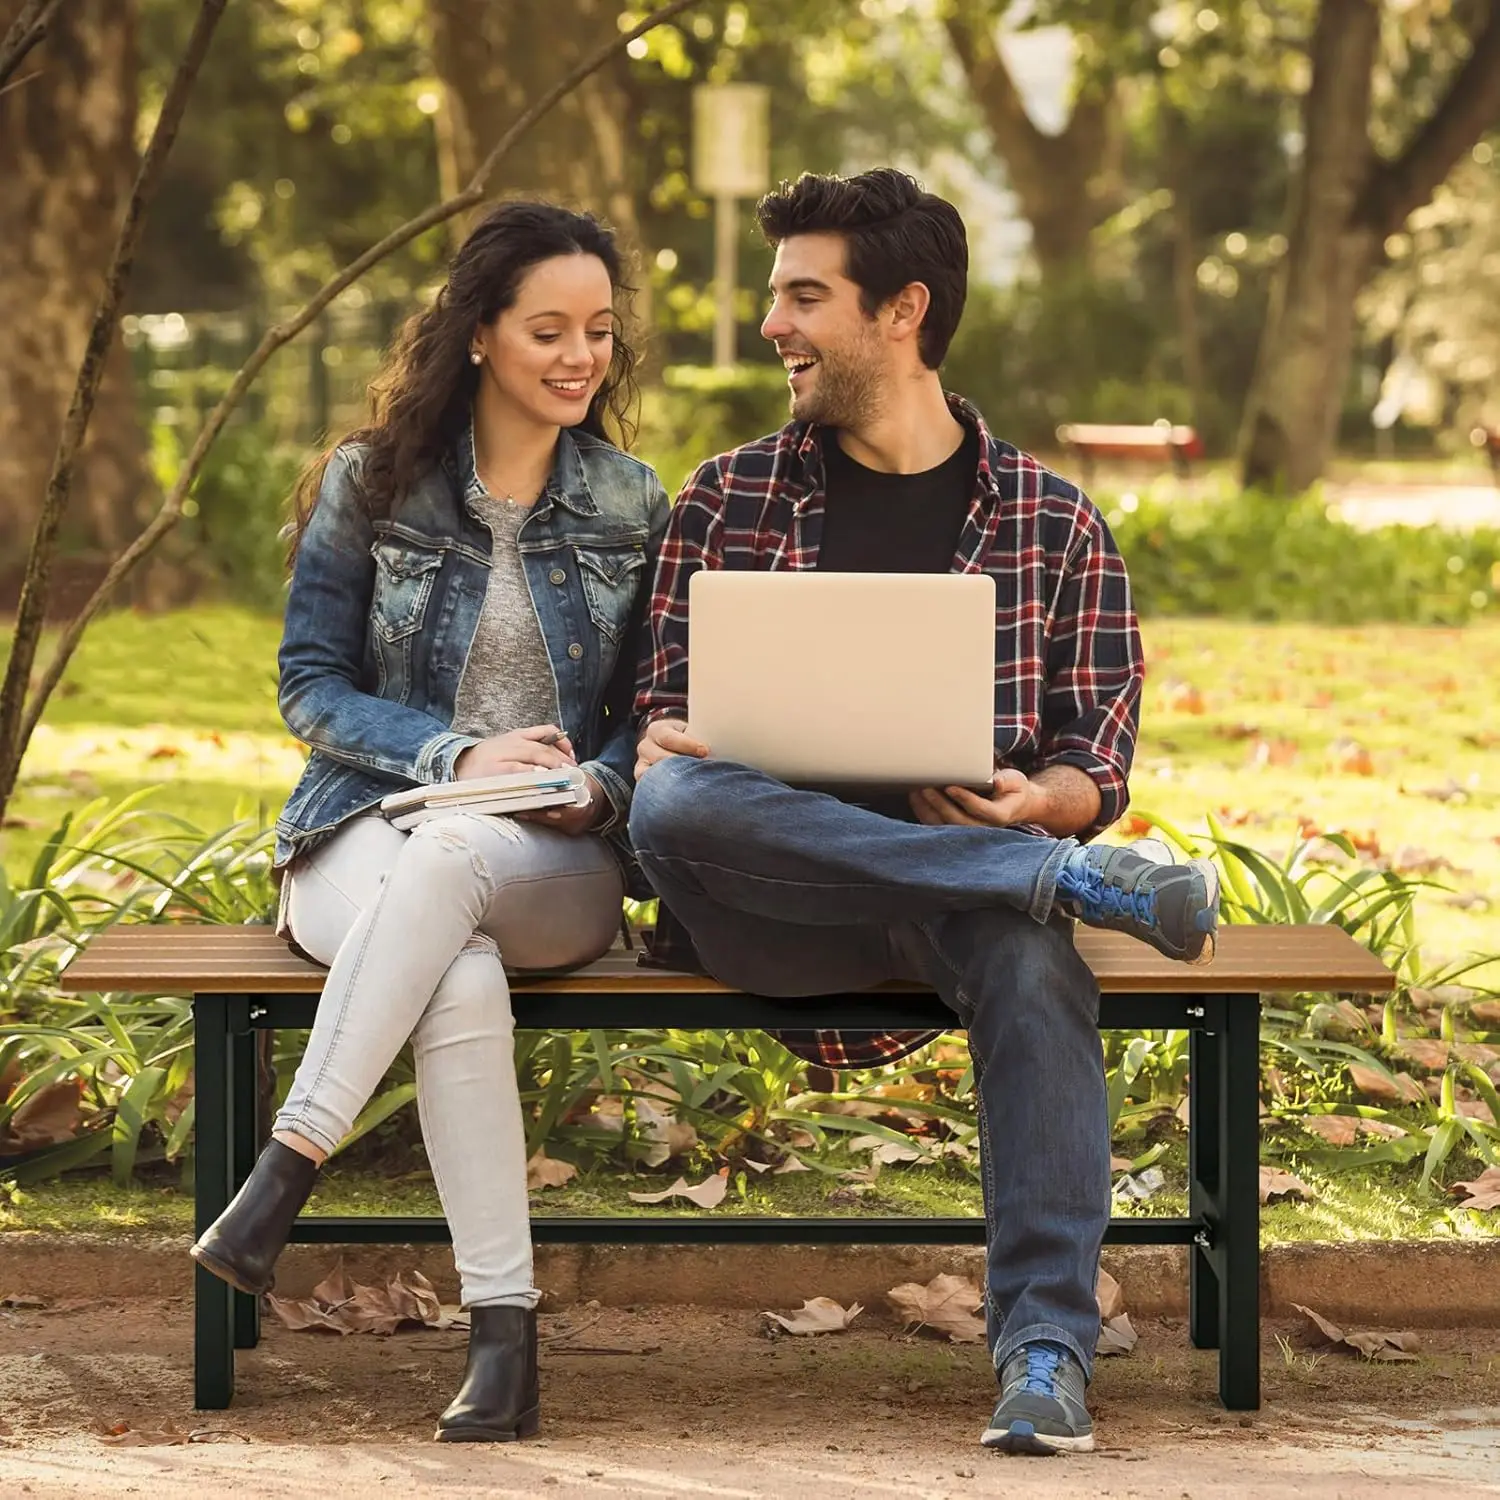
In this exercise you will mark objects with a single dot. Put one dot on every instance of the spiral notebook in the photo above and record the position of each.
(515, 791)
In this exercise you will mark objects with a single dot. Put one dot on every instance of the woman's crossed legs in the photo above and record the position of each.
(414, 928)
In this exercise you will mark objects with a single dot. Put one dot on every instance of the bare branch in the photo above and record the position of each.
(25, 32)
(32, 607)
(1469, 108)
(171, 509)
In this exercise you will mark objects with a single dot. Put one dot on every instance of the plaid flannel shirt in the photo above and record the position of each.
(1068, 660)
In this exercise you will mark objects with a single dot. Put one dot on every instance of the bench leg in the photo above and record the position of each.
(213, 1307)
(1239, 1204)
(244, 1144)
(1205, 1048)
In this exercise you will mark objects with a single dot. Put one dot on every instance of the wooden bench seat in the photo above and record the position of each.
(245, 980)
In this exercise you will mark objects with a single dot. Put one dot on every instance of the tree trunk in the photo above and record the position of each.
(1304, 361)
(494, 59)
(1062, 182)
(67, 158)
(1346, 202)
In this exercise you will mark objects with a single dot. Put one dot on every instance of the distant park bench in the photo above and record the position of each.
(1161, 442)
(245, 980)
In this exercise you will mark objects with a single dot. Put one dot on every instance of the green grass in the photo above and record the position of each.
(187, 701)
(1380, 1205)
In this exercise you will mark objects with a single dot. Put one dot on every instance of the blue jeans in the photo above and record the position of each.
(789, 892)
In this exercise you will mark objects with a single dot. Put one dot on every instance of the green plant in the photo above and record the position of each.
(1261, 557)
(126, 1060)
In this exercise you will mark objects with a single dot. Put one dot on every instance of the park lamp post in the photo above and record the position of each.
(731, 160)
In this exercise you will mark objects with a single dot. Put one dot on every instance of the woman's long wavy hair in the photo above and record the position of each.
(421, 399)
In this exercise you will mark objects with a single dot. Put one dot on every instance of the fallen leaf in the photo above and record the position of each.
(1403, 1089)
(1486, 1013)
(668, 1136)
(1483, 1192)
(21, 1301)
(1410, 859)
(791, 1164)
(1425, 1052)
(887, 1153)
(1275, 1183)
(1450, 791)
(49, 1116)
(1108, 1295)
(166, 752)
(344, 1306)
(1119, 1164)
(1350, 758)
(1116, 1336)
(1337, 1130)
(1265, 753)
(123, 1435)
(707, 1194)
(1238, 731)
(1182, 698)
(1376, 1346)
(1239, 817)
(542, 1171)
(947, 1304)
(817, 1315)
(1343, 1130)
(1142, 1186)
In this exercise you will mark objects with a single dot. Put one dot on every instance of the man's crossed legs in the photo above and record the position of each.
(791, 893)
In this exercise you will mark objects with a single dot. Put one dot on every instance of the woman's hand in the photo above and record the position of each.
(544, 746)
(572, 820)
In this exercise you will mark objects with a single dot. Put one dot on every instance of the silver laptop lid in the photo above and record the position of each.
(878, 680)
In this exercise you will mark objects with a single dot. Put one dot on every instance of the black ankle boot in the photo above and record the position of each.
(242, 1244)
(499, 1399)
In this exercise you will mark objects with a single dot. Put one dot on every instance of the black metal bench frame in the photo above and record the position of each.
(1222, 1227)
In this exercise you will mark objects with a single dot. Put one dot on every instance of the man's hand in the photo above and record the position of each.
(544, 746)
(663, 738)
(572, 820)
(1014, 799)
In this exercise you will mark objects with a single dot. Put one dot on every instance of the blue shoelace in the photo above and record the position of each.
(1100, 901)
(1042, 1361)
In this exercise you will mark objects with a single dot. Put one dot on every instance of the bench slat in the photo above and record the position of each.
(253, 960)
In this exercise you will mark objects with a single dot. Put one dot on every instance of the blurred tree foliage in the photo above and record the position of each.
(1164, 214)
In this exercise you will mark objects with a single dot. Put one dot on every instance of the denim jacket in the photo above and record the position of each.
(381, 616)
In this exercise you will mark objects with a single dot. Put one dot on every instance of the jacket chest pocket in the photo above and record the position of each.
(611, 576)
(404, 578)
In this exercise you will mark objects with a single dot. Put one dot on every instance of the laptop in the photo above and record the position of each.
(882, 681)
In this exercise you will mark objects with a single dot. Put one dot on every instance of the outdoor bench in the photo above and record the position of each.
(245, 980)
(1161, 441)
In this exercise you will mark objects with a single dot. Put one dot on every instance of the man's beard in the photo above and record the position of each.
(846, 393)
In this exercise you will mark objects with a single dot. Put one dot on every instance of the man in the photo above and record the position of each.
(789, 892)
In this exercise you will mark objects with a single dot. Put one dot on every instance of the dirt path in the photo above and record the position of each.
(694, 1402)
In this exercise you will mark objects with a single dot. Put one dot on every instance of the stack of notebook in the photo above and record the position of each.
(516, 791)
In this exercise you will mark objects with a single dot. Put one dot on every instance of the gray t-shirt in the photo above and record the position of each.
(507, 681)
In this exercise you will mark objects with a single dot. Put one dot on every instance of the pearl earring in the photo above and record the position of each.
(476, 358)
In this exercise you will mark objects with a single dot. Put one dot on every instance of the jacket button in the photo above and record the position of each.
(558, 576)
(575, 651)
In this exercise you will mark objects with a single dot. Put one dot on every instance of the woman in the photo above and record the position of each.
(470, 576)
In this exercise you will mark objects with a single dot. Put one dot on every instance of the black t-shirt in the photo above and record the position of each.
(894, 523)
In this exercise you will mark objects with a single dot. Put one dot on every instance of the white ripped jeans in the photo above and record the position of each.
(414, 927)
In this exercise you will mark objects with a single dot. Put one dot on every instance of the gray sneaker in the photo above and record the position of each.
(1137, 889)
(1041, 1406)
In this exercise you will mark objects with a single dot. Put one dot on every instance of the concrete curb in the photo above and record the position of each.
(1413, 1284)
